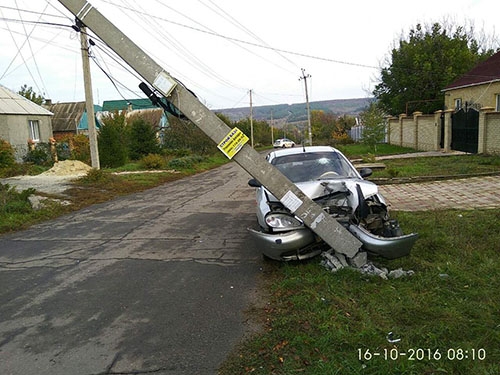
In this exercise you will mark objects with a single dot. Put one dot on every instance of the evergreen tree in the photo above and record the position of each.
(142, 139)
(112, 141)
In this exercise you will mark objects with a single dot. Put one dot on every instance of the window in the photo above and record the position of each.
(458, 104)
(34, 129)
(497, 107)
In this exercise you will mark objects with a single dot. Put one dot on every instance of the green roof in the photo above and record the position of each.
(120, 105)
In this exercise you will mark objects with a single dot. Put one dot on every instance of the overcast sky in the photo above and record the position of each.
(220, 49)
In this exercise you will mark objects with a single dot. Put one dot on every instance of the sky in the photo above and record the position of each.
(222, 49)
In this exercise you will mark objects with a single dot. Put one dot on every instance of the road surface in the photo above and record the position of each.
(155, 282)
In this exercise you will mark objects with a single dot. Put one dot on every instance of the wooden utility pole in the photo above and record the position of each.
(305, 77)
(251, 120)
(89, 99)
(230, 141)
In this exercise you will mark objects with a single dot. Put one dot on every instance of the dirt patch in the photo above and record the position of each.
(54, 181)
(68, 168)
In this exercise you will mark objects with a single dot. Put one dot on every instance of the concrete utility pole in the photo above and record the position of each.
(305, 77)
(230, 141)
(89, 99)
(251, 119)
(272, 127)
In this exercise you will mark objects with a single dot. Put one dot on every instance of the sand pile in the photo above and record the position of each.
(68, 168)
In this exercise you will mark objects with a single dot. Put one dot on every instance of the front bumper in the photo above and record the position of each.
(291, 245)
(386, 247)
(303, 243)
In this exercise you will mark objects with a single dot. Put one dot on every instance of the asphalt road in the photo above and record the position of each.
(155, 282)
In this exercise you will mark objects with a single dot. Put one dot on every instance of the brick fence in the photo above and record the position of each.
(424, 132)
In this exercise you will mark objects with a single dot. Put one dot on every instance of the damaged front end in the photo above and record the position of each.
(355, 204)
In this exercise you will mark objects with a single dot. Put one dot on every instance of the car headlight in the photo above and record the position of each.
(282, 221)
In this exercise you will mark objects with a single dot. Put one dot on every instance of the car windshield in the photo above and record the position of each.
(307, 166)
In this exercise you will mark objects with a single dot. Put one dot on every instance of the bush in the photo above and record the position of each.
(12, 201)
(152, 161)
(40, 155)
(94, 175)
(185, 162)
(7, 158)
(80, 148)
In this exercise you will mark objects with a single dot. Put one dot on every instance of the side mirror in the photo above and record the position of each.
(254, 183)
(365, 172)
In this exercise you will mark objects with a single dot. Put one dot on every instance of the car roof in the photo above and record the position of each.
(299, 149)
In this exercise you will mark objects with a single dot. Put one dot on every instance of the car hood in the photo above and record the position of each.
(319, 188)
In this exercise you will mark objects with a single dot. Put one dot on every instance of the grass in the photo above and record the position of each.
(98, 186)
(440, 166)
(317, 322)
(362, 151)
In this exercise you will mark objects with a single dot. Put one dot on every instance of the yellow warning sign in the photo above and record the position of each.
(233, 142)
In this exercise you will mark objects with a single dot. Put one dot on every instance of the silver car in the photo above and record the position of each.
(326, 176)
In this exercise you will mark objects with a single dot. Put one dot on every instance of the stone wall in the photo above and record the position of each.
(423, 132)
(491, 139)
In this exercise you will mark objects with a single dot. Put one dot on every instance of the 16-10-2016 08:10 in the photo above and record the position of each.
(423, 354)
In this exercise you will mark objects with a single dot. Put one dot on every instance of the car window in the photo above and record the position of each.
(312, 166)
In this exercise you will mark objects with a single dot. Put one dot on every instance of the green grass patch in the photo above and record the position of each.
(360, 150)
(317, 322)
(439, 166)
(96, 187)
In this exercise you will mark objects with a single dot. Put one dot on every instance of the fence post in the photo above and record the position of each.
(437, 129)
(481, 137)
(447, 129)
(401, 117)
(416, 116)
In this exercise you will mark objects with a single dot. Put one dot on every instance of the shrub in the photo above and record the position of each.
(152, 161)
(7, 158)
(40, 155)
(185, 162)
(13, 201)
(94, 175)
(80, 148)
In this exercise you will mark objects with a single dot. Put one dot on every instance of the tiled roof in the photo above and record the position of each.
(485, 72)
(15, 104)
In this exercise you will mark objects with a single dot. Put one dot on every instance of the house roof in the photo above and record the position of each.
(68, 116)
(486, 72)
(15, 104)
(120, 105)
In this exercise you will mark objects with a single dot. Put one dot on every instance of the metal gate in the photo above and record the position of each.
(465, 130)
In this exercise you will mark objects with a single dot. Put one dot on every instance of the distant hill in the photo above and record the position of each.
(298, 112)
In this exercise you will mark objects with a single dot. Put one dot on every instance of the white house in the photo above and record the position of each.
(22, 121)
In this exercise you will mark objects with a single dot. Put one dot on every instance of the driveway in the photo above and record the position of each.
(466, 193)
(155, 282)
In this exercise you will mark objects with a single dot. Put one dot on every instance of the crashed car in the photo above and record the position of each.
(326, 176)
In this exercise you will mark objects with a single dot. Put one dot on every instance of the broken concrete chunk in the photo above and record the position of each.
(359, 260)
(396, 274)
(342, 259)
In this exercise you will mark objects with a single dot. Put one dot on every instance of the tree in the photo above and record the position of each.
(261, 130)
(424, 63)
(142, 139)
(29, 94)
(112, 141)
(373, 120)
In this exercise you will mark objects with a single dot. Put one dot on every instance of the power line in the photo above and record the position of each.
(46, 92)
